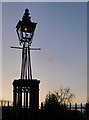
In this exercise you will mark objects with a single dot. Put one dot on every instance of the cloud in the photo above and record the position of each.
(51, 59)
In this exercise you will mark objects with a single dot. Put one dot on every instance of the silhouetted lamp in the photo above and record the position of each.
(26, 89)
(25, 28)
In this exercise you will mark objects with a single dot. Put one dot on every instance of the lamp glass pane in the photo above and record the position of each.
(26, 35)
(20, 35)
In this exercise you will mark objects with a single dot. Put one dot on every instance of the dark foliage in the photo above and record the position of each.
(55, 106)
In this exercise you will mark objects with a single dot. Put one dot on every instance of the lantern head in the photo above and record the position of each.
(25, 28)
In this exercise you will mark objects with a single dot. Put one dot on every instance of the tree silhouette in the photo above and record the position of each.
(65, 96)
(61, 97)
(55, 106)
(51, 101)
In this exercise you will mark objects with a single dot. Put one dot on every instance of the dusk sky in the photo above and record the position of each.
(61, 33)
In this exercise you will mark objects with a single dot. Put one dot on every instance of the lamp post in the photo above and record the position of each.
(25, 31)
(26, 88)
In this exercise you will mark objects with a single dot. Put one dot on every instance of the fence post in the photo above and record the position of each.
(87, 110)
(8, 104)
(8, 110)
(41, 105)
(75, 106)
(2, 103)
(81, 108)
(70, 106)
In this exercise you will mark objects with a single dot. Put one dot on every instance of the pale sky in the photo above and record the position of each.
(61, 33)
